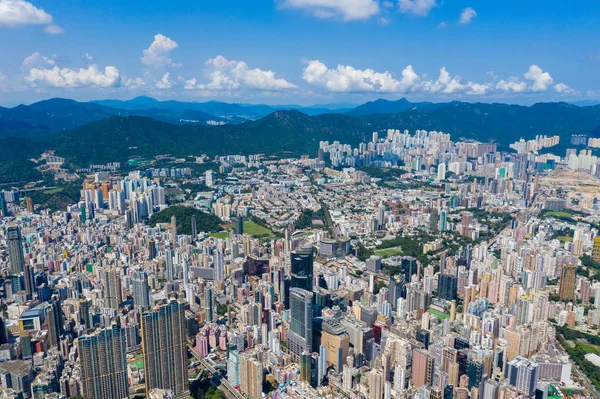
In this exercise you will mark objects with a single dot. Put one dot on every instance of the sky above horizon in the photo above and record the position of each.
(300, 51)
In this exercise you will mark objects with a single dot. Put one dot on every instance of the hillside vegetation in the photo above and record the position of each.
(205, 222)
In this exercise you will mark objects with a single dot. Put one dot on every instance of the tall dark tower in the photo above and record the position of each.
(15, 250)
(302, 268)
(194, 227)
(239, 225)
(54, 321)
(151, 249)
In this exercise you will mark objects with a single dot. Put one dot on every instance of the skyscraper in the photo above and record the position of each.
(169, 267)
(54, 322)
(596, 249)
(219, 266)
(141, 292)
(111, 281)
(151, 249)
(409, 267)
(302, 268)
(376, 380)
(251, 376)
(299, 338)
(523, 374)
(84, 313)
(566, 290)
(194, 227)
(233, 367)
(174, 232)
(16, 258)
(422, 368)
(490, 390)
(104, 364)
(447, 285)
(239, 225)
(164, 347)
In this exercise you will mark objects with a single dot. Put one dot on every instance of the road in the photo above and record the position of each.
(225, 384)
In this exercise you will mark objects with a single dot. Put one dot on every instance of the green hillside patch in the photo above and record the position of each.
(252, 229)
(256, 230)
(387, 252)
(221, 234)
(205, 222)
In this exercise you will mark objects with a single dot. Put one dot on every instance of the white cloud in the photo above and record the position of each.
(562, 88)
(478, 89)
(225, 75)
(190, 84)
(20, 12)
(541, 80)
(164, 83)
(445, 84)
(349, 79)
(467, 15)
(157, 55)
(71, 78)
(348, 10)
(346, 78)
(512, 85)
(442, 25)
(36, 59)
(417, 7)
(54, 30)
(14, 13)
(133, 83)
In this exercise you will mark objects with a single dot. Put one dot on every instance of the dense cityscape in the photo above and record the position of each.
(411, 266)
(299, 199)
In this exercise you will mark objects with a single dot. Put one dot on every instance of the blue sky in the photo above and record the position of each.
(300, 51)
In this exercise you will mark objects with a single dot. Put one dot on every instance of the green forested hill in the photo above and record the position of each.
(120, 138)
(205, 222)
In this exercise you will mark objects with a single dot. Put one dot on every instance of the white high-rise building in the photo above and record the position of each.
(441, 171)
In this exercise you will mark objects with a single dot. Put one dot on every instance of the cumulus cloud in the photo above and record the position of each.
(417, 7)
(36, 59)
(446, 84)
(541, 80)
(349, 79)
(164, 83)
(91, 76)
(347, 10)
(190, 84)
(20, 12)
(512, 85)
(157, 55)
(562, 88)
(346, 78)
(467, 15)
(14, 13)
(225, 75)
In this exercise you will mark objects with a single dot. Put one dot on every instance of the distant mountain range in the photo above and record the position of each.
(45, 118)
(114, 130)
(220, 109)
